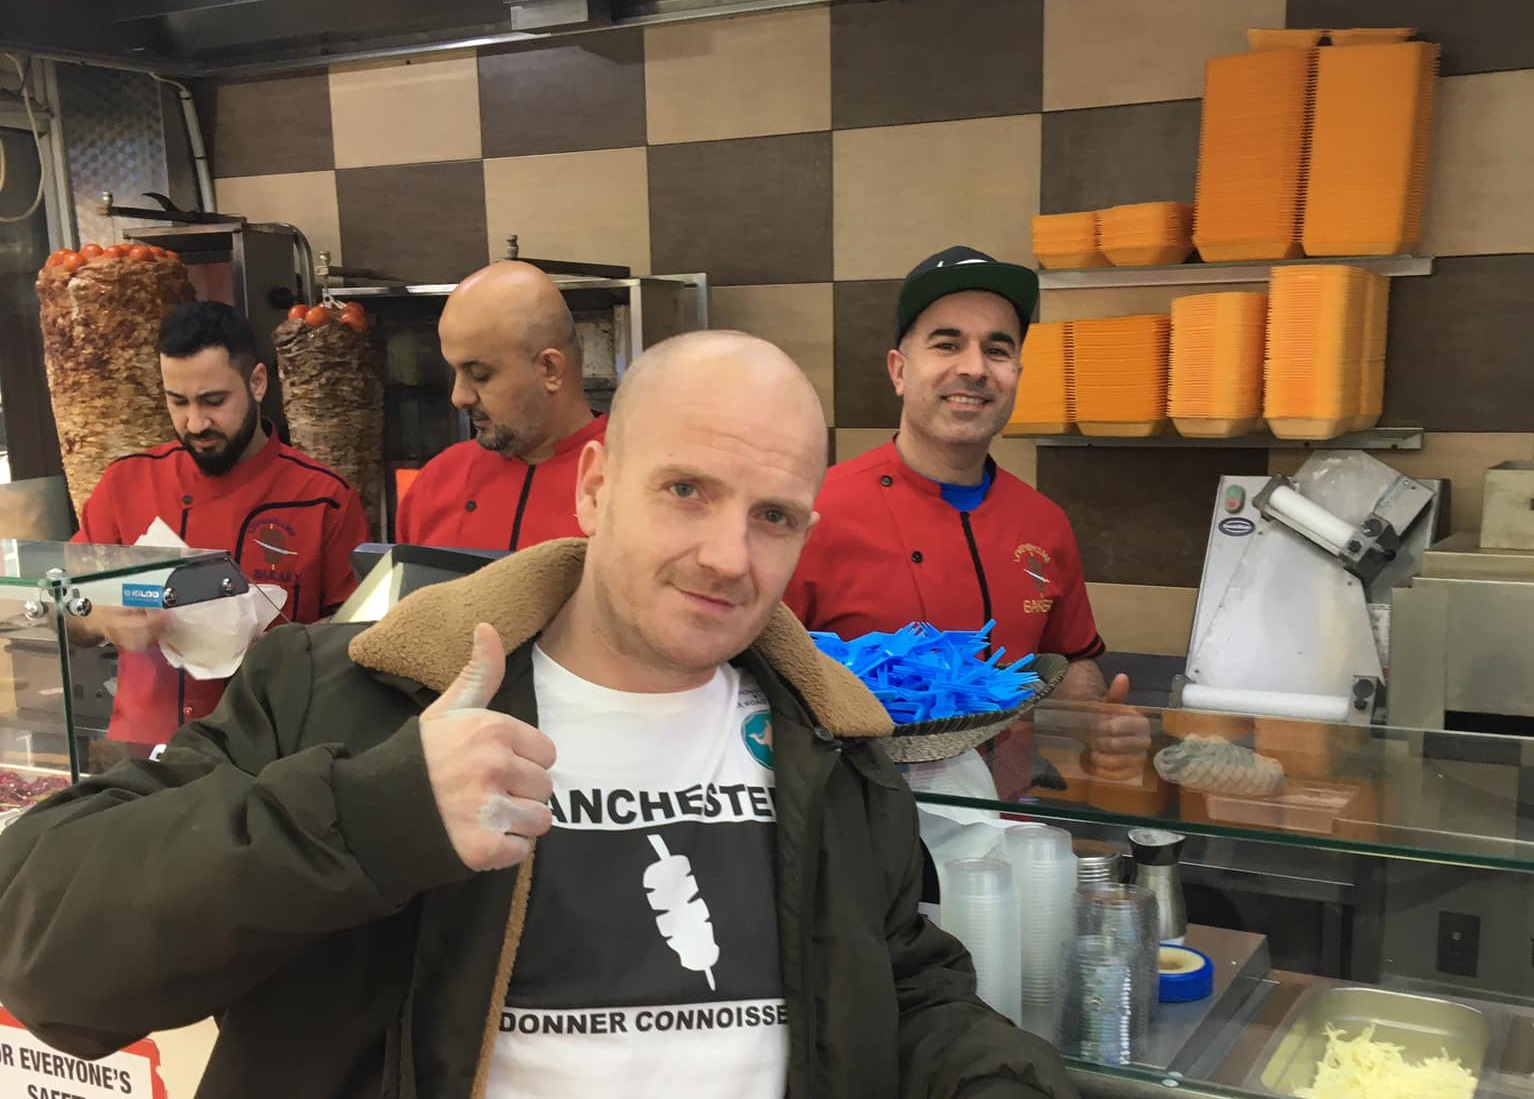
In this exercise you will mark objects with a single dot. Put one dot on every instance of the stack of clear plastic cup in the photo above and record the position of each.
(1044, 868)
(1126, 915)
(1102, 1021)
(980, 910)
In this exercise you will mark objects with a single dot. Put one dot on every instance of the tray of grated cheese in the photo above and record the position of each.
(1370, 1043)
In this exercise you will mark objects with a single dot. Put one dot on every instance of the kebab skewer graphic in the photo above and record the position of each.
(681, 914)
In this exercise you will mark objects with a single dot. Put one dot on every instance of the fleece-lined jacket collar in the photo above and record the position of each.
(427, 638)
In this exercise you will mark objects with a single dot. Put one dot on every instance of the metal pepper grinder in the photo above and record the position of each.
(1157, 869)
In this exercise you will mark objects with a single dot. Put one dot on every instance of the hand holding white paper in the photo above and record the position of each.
(209, 640)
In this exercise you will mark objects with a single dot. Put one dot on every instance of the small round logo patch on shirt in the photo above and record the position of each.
(756, 731)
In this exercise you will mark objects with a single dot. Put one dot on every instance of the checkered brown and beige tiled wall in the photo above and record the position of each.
(805, 159)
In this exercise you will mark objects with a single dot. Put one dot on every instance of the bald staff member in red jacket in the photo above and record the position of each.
(225, 483)
(510, 339)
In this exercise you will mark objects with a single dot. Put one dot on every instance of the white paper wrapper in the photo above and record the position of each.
(209, 640)
(956, 831)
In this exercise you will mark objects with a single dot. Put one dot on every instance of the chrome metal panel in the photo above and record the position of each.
(1417, 896)
(1180, 1033)
(1419, 617)
(1290, 619)
(1212, 273)
(1223, 551)
(1489, 647)
(1461, 557)
(1465, 645)
(1507, 512)
(114, 138)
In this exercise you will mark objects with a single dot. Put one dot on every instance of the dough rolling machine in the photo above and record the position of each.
(1293, 611)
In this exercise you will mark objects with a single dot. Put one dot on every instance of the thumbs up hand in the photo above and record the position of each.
(1120, 737)
(489, 772)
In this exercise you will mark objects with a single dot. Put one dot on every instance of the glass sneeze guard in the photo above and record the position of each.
(30, 564)
(1376, 879)
(1445, 797)
(61, 679)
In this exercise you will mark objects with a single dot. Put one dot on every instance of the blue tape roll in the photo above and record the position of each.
(1186, 974)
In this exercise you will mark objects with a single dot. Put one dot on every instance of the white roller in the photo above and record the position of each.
(1235, 700)
(1312, 516)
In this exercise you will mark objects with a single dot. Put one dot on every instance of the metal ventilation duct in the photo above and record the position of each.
(249, 37)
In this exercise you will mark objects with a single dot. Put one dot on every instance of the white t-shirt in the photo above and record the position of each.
(648, 966)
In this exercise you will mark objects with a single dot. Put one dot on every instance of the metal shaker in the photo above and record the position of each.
(1158, 870)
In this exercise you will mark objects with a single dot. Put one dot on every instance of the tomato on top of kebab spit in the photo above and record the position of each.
(71, 260)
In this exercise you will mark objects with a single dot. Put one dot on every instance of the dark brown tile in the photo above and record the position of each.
(752, 211)
(565, 96)
(1457, 358)
(1110, 156)
(865, 331)
(935, 60)
(1477, 35)
(270, 127)
(1141, 514)
(418, 222)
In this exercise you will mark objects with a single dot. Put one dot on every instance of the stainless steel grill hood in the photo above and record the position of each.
(251, 37)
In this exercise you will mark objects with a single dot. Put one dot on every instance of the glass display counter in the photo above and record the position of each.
(59, 672)
(1337, 877)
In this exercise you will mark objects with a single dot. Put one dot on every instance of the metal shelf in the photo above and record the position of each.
(1381, 438)
(1202, 274)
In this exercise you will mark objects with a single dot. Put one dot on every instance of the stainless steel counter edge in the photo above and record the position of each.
(1097, 1084)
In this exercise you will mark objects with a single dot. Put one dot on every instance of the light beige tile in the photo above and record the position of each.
(592, 207)
(405, 112)
(746, 77)
(305, 199)
(1479, 199)
(1461, 457)
(1101, 52)
(1071, 305)
(1138, 618)
(1019, 457)
(905, 192)
(853, 442)
(798, 318)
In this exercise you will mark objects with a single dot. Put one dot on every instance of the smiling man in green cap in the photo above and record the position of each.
(928, 528)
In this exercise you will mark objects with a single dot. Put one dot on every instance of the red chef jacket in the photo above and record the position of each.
(889, 550)
(286, 520)
(468, 497)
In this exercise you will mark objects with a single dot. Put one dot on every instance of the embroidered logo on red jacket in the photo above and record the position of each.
(277, 542)
(1035, 561)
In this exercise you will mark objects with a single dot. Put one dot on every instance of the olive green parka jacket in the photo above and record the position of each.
(283, 869)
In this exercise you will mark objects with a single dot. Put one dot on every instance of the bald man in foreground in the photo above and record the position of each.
(340, 863)
(516, 360)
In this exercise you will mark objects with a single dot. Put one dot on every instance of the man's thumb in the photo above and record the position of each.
(1118, 690)
(481, 677)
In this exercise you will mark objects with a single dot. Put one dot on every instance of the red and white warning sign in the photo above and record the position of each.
(32, 1069)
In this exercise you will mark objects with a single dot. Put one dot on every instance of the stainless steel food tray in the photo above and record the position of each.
(1424, 1026)
(1494, 1041)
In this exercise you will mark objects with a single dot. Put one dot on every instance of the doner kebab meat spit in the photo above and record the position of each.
(333, 395)
(101, 313)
